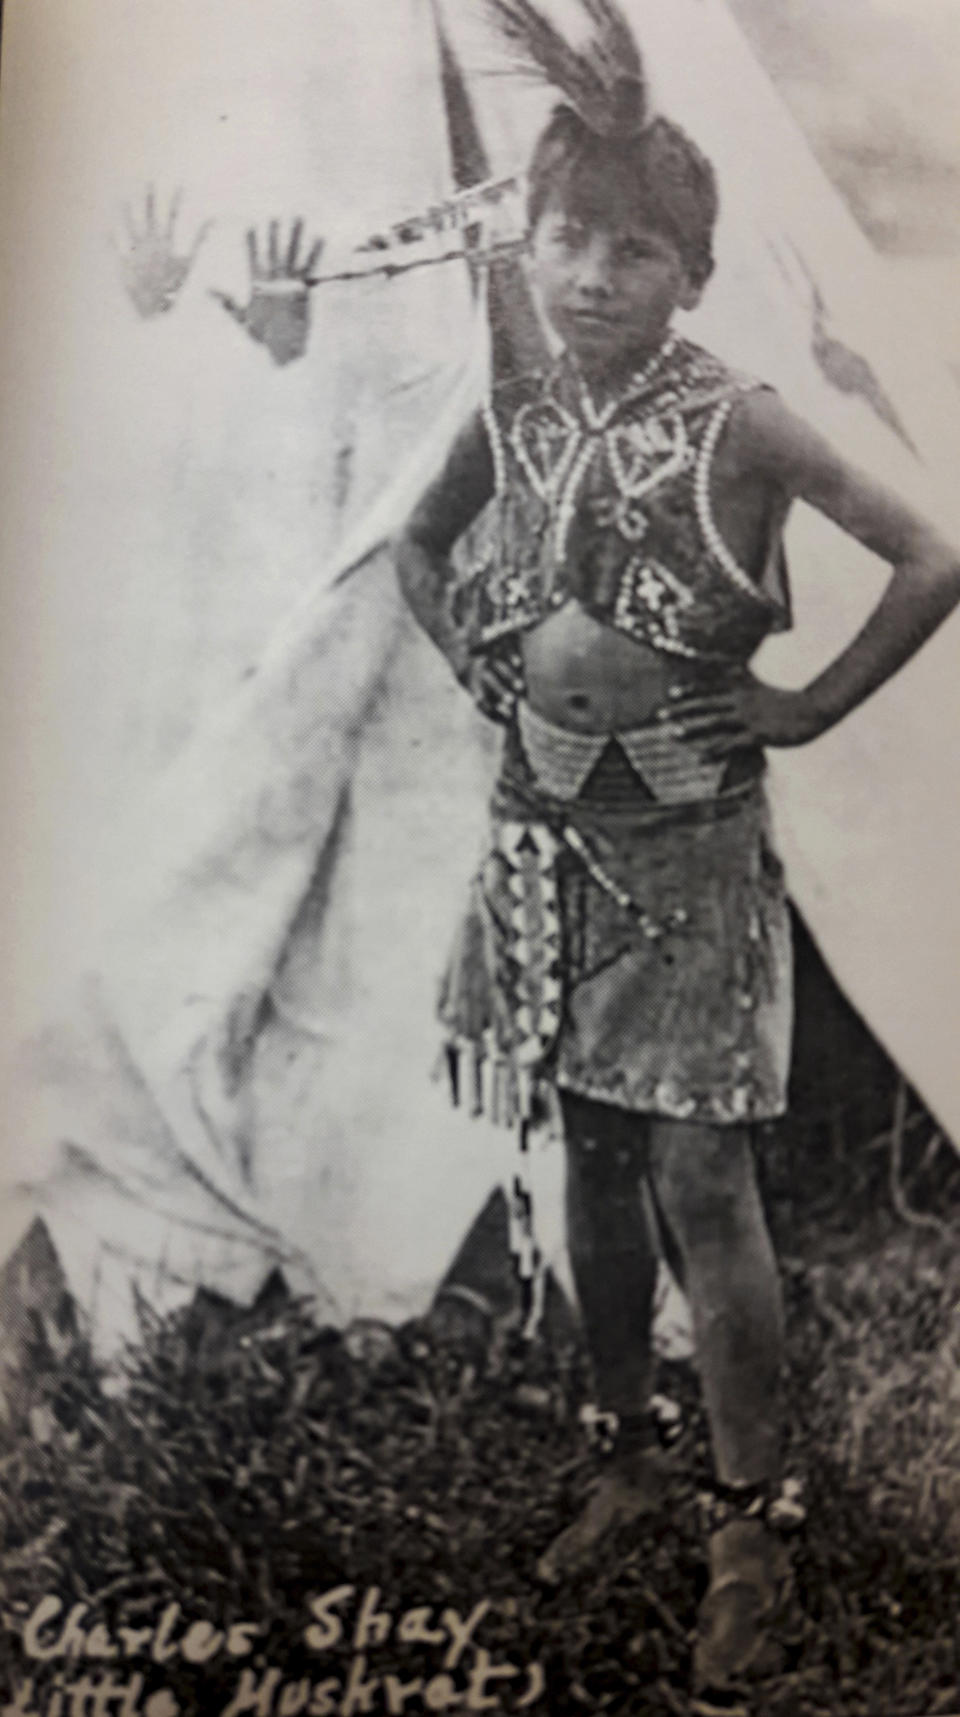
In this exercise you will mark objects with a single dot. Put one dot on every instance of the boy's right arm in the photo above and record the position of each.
(439, 519)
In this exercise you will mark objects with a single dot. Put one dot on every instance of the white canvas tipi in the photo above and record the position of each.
(211, 723)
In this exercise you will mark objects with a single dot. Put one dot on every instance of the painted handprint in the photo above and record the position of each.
(153, 271)
(277, 312)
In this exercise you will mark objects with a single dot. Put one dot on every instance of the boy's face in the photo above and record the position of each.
(609, 283)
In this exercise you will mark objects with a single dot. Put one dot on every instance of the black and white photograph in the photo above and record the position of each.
(479, 694)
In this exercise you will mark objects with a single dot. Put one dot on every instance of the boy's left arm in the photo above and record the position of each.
(923, 588)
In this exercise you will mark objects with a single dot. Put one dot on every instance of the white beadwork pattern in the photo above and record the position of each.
(708, 524)
(670, 767)
(598, 420)
(560, 759)
(567, 507)
(496, 448)
(641, 579)
(632, 485)
(559, 488)
(545, 485)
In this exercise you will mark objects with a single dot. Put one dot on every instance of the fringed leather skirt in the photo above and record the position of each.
(627, 936)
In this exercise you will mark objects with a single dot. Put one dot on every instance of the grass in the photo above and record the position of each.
(241, 1462)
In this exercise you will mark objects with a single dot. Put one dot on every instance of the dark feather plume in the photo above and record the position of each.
(604, 81)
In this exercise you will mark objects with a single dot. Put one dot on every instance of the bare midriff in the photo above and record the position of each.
(586, 676)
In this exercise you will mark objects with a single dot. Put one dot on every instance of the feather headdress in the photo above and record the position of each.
(603, 81)
(604, 129)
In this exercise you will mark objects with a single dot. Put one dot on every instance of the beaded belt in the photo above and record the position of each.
(561, 760)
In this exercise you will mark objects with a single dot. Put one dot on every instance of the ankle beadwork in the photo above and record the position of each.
(610, 1433)
(778, 1506)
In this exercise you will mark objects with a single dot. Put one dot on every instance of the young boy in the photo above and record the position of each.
(628, 941)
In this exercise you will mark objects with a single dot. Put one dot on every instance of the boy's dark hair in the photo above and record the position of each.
(657, 172)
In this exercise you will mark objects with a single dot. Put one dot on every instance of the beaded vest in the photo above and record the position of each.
(612, 507)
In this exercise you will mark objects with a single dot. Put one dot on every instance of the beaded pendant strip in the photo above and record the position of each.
(505, 1081)
(530, 850)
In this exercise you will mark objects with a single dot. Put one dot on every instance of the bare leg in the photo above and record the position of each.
(612, 1251)
(705, 1186)
(614, 1258)
(704, 1183)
